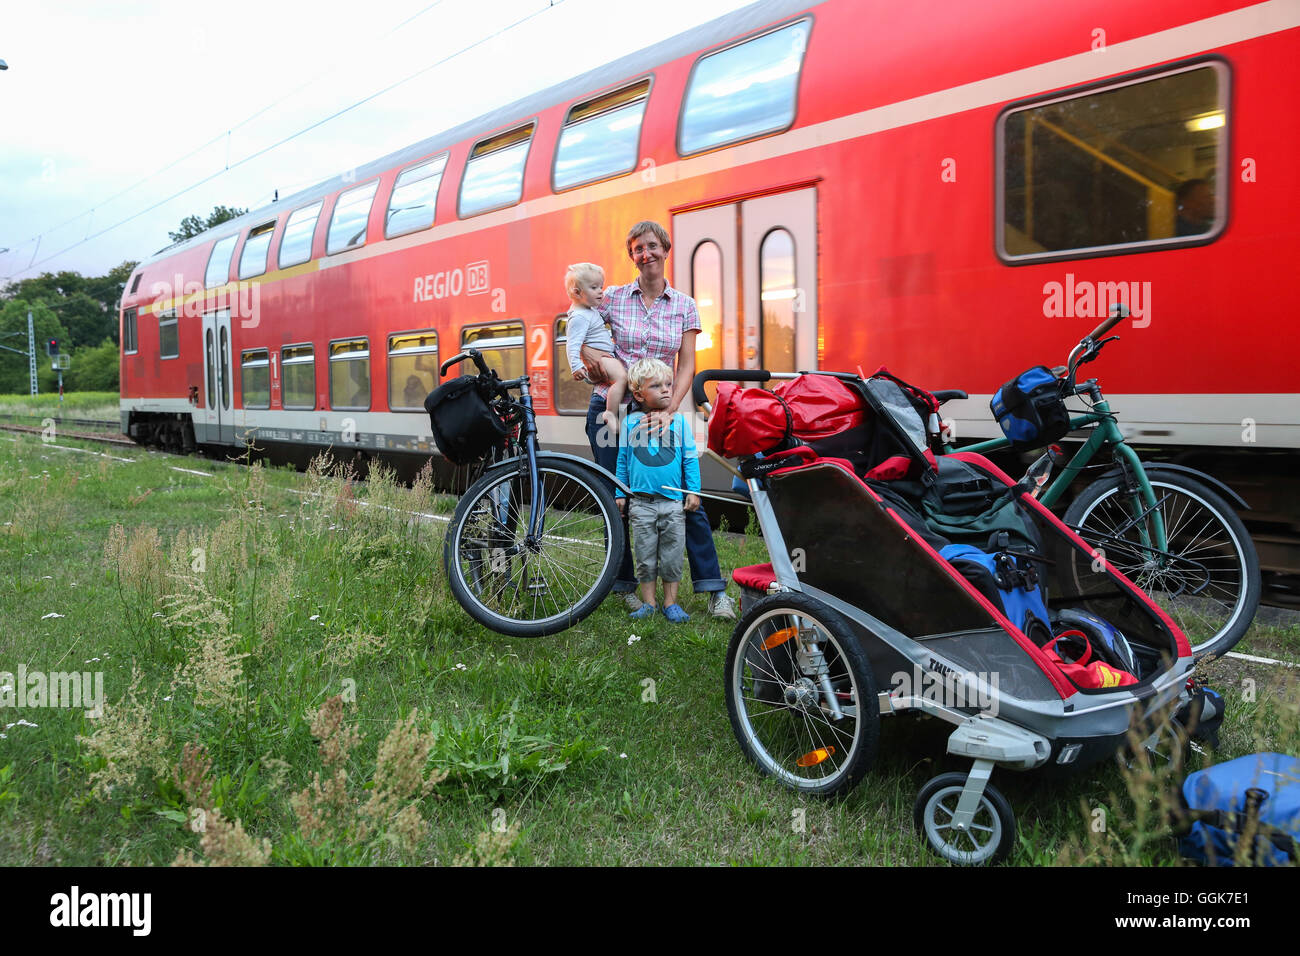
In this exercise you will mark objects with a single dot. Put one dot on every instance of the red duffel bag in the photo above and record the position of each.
(809, 408)
(822, 405)
(746, 421)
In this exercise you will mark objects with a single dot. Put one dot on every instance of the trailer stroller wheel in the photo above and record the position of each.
(801, 695)
(992, 831)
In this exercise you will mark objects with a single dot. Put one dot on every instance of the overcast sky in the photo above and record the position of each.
(99, 96)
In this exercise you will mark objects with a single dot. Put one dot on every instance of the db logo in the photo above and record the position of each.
(476, 278)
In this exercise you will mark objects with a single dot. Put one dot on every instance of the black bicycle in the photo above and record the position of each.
(535, 541)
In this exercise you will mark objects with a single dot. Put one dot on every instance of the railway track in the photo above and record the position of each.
(61, 433)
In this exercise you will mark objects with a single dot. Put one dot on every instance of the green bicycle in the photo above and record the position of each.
(1167, 527)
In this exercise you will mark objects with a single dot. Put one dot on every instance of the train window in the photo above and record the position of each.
(168, 336)
(777, 293)
(414, 195)
(130, 340)
(744, 91)
(252, 261)
(223, 368)
(494, 175)
(218, 271)
(412, 369)
(350, 374)
(600, 137)
(706, 289)
(1116, 168)
(135, 283)
(572, 396)
(502, 346)
(210, 356)
(295, 244)
(298, 377)
(351, 215)
(255, 378)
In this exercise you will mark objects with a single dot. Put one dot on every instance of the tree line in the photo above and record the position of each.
(82, 313)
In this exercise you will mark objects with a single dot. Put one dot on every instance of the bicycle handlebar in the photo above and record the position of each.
(724, 375)
(1120, 313)
(457, 359)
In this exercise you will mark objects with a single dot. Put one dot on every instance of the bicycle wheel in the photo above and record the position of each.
(523, 588)
(779, 703)
(1207, 579)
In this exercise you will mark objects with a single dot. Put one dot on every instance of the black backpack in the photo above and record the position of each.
(465, 426)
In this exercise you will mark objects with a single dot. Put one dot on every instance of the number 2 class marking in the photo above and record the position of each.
(539, 354)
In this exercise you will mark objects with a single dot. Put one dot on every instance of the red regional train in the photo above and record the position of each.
(955, 190)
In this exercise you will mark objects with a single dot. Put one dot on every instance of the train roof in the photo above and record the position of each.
(746, 20)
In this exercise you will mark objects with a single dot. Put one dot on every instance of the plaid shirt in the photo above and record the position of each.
(641, 332)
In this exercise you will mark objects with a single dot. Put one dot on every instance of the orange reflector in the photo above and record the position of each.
(780, 637)
(814, 757)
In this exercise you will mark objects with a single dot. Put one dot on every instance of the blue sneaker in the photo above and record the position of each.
(675, 614)
(644, 611)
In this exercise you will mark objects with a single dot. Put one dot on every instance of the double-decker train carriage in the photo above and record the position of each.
(952, 190)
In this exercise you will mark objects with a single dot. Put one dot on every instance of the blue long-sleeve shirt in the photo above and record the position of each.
(649, 461)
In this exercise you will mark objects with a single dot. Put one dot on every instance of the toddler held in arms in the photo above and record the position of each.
(585, 283)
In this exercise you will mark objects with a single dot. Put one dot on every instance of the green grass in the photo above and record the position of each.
(553, 738)
(75, 405)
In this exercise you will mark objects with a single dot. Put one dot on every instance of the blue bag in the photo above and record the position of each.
(1222, 799)
(1031, 410)
(1010, 583)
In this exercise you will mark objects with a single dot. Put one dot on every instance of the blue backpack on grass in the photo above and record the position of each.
(1258, 790)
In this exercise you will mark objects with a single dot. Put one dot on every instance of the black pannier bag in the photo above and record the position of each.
(465, 428)
(1031, 409)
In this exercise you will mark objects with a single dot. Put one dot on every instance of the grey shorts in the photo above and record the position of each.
(658, 538)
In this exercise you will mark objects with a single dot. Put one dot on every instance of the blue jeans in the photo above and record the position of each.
(706, 575)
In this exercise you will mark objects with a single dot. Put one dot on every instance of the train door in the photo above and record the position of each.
(752, 268)
(217, 415)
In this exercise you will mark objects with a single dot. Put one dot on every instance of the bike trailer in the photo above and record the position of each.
(933, 587)
(1257, 794)
(465, 428)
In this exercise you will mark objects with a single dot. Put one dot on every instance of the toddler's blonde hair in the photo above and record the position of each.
(580, 273)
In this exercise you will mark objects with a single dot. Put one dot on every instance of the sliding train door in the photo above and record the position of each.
(752, 268)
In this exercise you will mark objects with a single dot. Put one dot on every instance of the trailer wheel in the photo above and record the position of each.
(992, 831)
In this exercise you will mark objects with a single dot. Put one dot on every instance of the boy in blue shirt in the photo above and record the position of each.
(650, 463)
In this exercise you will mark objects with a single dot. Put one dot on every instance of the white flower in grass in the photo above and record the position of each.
(46, 617)
(461, 667)
(632, 639)
(314, 617)
(622, 756)
(168, 697)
